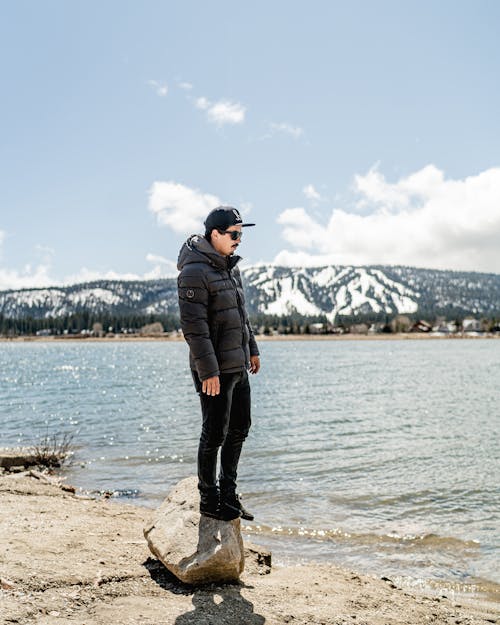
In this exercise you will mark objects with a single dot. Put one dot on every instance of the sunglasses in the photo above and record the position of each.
(234, 234)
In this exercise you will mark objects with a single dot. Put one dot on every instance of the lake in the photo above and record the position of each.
(381, 456)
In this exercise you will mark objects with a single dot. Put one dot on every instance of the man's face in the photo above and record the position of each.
(223, 243)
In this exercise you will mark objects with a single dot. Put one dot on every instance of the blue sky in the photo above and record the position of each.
(351, 133)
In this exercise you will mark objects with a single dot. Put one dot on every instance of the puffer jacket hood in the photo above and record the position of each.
(212, 310)
(197, 249)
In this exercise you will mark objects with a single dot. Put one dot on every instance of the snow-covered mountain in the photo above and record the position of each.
(357, 291)
(121, 297)
(274, 290)
(330, 291)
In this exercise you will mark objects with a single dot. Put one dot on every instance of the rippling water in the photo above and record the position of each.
(378, 455)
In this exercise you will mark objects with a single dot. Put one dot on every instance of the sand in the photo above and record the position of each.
(66, 559)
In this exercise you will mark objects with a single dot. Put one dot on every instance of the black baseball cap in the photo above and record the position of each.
(222, 218)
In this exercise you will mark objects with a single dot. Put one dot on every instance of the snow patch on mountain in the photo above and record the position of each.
(87, 296)
(288, 299)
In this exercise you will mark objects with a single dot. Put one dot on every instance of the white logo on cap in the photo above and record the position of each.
(237, 215)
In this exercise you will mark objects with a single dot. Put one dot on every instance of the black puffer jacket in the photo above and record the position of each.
(212, 309)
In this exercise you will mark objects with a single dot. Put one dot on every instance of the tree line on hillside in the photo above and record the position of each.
(86, 323)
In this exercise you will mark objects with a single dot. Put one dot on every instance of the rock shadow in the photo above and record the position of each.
(221, 605)
(165, 579)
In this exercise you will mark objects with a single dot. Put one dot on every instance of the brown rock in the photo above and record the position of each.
(16, 457)
(195, 548)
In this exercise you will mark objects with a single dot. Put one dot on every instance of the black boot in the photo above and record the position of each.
(228, 513)
(230, 503)
(210, 505)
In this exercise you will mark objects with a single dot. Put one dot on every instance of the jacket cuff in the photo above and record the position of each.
(252, 346)
(209, 375)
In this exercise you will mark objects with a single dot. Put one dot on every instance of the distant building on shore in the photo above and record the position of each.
(470, 324)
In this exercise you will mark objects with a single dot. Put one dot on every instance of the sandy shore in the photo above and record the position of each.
(72, 560)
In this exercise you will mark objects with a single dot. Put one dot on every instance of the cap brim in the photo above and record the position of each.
(243, 225)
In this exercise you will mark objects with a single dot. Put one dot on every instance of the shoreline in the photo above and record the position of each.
(259, 337)
(93, 566)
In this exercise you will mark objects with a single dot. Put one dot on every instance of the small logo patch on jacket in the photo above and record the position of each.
(190, 293)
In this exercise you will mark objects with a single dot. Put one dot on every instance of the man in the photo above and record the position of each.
(222, 349)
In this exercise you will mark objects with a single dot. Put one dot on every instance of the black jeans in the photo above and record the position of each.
(226, 422)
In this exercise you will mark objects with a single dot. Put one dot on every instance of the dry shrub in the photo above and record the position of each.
(53, 450)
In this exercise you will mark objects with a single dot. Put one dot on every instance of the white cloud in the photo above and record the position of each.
(300, 229)
(287, 258)
(222, 112)
(245, 208)
(311, 194)
(164, 267)
(156, 258)
(283, 128)
(89, 275)
(294, 131)
(161, 89)
(28, 277)
(226, 112)
(420, 185)
(187, 86)
(423, 220)
(181, 208)
(40, 276)
(202, 103)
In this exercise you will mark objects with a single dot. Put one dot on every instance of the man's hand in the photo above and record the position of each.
(211, 386)
(254, 364)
